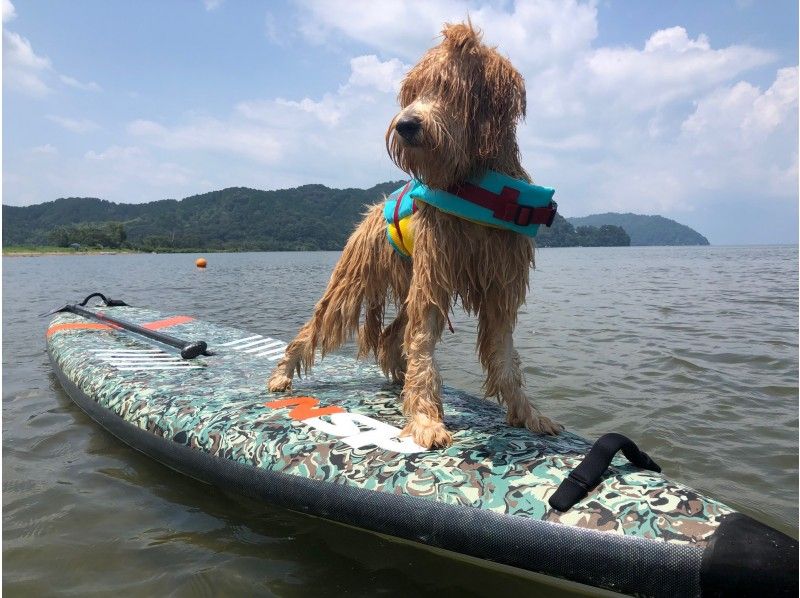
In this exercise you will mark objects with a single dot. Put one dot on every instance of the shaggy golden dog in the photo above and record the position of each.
(460, 108)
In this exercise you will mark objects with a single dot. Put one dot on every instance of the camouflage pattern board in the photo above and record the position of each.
(331, 447)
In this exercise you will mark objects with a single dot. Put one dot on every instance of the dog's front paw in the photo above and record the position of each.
(536, 423)
(428, 433)
(279, 382)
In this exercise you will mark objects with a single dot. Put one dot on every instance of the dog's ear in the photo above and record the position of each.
(517, 98)
(461, 36)
(503, 104)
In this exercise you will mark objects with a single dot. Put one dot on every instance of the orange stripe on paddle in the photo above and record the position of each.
(77, 326)
(167, 323)
(158, 324)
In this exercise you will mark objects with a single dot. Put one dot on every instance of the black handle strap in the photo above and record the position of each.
(590, 471)
(105, 300)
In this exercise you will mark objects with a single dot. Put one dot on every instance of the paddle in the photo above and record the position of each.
(189, 349)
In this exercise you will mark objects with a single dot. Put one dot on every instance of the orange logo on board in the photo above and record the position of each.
(354, 429)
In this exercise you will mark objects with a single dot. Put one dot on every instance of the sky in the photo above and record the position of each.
(685, 109)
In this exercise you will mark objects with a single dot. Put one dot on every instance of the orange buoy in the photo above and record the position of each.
(200, 262)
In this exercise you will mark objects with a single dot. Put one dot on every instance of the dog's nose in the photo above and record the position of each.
(407, 127)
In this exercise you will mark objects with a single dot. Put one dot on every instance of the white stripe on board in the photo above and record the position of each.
(134, 360)
(274, 357)
(150, 357)
(240, 340)
(126, 351)
(135, 356)
(160, 367)
(276, 351)
(154, 363)
(243, 346)
(140, 362)
(267, 342)
(271, 345)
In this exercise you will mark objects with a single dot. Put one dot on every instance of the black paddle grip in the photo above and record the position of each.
(192, 350)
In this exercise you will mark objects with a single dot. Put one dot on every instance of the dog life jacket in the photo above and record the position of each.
(495, 200)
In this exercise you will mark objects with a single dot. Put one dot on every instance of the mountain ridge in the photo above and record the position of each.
(645, 230)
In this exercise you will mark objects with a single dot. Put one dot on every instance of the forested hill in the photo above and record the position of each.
(310, 217)
(646, 230)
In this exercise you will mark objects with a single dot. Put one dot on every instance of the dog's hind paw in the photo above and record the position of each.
(398, 376)
(279, 382)
(428, 433)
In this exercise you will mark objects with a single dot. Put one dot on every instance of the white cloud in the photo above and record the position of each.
(72, 82)
(45, 149)
(123, 173)
(75, 125)
(675, 39)
(739, 135)
(671, 67)
(393, 26)
(115, 152)
(368, 75)
(737, 143)
(212, 4)
(569, 143)
(336, 139)
(325, 110)
(9, 12)
(532, 33)
(742, 114)
(127, 164)
(368, 71)
(212, 135)
(278, 131)
(23, 69)
(273, 31)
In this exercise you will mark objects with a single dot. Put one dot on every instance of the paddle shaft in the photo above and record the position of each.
(189, 349)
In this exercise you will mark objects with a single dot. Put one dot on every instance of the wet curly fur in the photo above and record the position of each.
(466, 100)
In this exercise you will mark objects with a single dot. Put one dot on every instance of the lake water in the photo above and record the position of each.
(691, 351)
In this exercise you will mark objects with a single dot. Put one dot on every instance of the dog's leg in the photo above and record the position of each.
(427, 303)
(370, 332)
(504, 377)
(300, 351)
(390, 348)
(422, 403)
(356, 278)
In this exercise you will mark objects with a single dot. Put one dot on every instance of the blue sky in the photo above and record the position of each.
(684, 109)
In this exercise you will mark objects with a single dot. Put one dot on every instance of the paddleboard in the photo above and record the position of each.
(332, 448)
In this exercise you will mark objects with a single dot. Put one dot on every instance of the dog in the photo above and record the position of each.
(460, 106)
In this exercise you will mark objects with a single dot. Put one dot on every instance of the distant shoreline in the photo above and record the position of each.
(37, 251)
(48, 252)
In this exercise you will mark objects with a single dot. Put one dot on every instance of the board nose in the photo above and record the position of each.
(747, 558)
